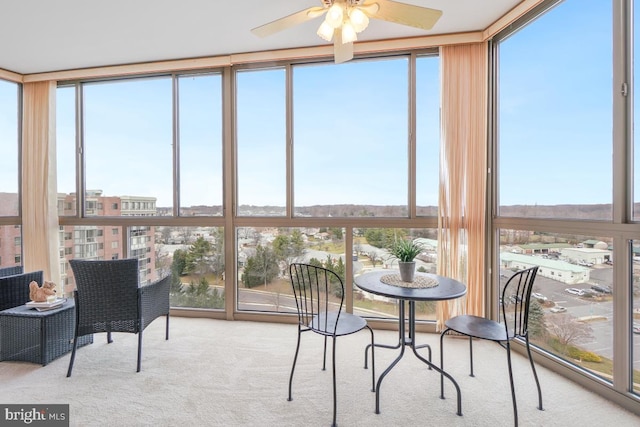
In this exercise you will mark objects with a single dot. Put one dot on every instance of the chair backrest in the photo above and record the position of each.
(516, 298)
(14, 290)
(11, 271)
(106, 295)
(317, 291)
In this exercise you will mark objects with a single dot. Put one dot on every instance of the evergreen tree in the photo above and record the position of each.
(536, 319)
(198, 259)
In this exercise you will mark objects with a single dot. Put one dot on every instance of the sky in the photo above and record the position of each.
(350, 127)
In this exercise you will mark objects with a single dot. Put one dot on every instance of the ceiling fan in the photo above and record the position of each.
(345, 18)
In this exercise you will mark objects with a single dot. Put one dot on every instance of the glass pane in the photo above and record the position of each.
(264, 256)
(66, 149)
(9, 146)
(128, 143)
(635, 320)
(371, 252)
(261, 138)
(636, 111)
(350, 139)
(200, 130)
(428, 134)
(572, 310)
(194, 256)
(555, 115)
(10, 245)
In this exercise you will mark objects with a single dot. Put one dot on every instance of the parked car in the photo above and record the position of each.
(575, 291)
(558, 309)
(601, 288)
(538, 296)
(515, 298)
(636, 328)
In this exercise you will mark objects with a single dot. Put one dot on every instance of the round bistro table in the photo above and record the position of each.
(439, 288)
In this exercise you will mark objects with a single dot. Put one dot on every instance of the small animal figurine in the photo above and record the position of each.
(40, 294)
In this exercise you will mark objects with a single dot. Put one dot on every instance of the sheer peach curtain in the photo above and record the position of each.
(463, 175)
(39, 211)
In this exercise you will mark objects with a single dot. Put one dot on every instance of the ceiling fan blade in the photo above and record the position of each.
(342, 52)
(406, 14)
(288, 21)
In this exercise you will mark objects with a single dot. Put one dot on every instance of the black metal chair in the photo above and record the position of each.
(514, 323)
(14, 289)
(319, 295)
(109, 299)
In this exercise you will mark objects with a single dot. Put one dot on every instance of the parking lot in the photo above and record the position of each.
(601, 310)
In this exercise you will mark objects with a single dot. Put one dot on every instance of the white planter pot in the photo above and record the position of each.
(407, 270)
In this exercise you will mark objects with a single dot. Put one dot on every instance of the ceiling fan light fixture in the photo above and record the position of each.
(335, 15)
(325, 31)
(348, 32)
(358, 19)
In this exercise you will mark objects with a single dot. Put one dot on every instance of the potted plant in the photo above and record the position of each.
(405, 252)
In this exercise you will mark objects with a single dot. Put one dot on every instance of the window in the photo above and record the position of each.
(261, 127)
(427, 134)
(555, 122)
(200, 140)
(128, 123)
(9, 114)
(66, 148)
(350, 139)
(556, 108)
(576, 326)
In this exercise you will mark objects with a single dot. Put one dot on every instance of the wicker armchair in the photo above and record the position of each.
(11, 271)
(109, 299)
(14, 290)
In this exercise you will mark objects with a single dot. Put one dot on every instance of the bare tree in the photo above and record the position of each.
(374, 258)
(568, 329)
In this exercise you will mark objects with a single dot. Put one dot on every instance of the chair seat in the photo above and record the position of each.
(477, 327)
(347, 324)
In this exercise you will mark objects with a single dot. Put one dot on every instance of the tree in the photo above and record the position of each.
(567, 329)
(261, 268)
(217, 247)
(288, 248)
(383, 237)
(179, 262)
(198, 260)
(197, 295)
(536, 319)
(374, 258)
(166, 234)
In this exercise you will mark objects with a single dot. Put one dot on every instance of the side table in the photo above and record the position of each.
(35, 336)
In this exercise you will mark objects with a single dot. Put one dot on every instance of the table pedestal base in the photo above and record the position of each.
(404, 341)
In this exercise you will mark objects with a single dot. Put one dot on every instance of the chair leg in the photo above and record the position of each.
(513, 389)
(442, 363)
(535, 374)
(293, 367)
(166, 334)
(109, 340)
(335, 393)
(73, 354)
(471, 356)
(324, 358)
(139, 349)
(373, 362)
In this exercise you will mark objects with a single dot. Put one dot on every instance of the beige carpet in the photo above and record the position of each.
(218, 373)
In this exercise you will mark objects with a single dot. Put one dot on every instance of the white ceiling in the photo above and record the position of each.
(53, 35)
